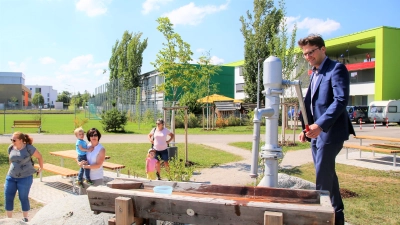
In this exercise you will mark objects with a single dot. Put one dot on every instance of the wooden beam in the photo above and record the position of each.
(111, 221)
(273, 218)
(124, 184)
(287, 195)
(124, 211)
(208, 208)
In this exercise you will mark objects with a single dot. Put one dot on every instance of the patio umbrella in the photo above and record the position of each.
(215, 98)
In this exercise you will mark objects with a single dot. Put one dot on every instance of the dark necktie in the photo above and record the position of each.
(313, 86)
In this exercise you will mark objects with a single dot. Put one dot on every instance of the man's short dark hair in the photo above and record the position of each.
(312, 39)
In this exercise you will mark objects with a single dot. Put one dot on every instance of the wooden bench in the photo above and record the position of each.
(61, 171)
(377, 138)
(113, 166)
(371, 149)
(386, 146)
(27, 124)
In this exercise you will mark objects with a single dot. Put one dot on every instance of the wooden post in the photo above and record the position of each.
(124, 211)
(186, 134)
(111, 221)
(203, 116)
(273, 218)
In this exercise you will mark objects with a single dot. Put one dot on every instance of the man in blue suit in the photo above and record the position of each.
(325, 102)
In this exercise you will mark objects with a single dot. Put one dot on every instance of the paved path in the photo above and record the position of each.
(236, 173)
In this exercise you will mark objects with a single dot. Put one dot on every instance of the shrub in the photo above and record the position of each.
(80, 122)
(233, 121)
(193, 121)
(148, 116)
(221, 122)
(114, 120)
(178, 170)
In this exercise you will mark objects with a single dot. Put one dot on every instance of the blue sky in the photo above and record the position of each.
(67, 43)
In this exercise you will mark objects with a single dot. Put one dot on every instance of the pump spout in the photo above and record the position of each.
(258, 115)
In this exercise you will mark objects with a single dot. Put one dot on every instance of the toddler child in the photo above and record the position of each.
(81, 149)
(151, 162)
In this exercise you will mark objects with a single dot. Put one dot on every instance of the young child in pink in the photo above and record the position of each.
(151, 162)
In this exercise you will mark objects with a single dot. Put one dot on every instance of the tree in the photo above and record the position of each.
(38, 99)
(280, 47)
(172, 62)
(64, 97)
(114, 120)
(126, 59)
(257, 32)
(202, 85)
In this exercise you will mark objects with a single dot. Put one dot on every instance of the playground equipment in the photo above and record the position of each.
(271, 152)
(198, 203)
(93, 113)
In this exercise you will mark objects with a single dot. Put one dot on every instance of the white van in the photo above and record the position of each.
(380, 110)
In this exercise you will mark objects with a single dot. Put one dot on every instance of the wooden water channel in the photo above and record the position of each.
(198, 203)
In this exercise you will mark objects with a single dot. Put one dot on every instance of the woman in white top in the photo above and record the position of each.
(95, 158)
(158, 137)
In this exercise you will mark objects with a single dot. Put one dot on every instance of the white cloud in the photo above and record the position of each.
(15, 67)
(318, 26)
(47, 60)
(290, 21)
(78, 63)
(92, 7)
(192, 15)
(102, 65)
(152, 5)
(98, 72)
(216, 61)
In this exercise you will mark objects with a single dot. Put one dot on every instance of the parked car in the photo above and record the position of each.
(358, 112)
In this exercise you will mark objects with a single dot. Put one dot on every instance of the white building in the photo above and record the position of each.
(48, 93)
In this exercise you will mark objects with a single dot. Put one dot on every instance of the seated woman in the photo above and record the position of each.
(95, 158)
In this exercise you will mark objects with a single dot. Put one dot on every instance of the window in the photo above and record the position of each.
(239, 87)
(362, 76)
(48, 94)
(377, 109)
(392, 109)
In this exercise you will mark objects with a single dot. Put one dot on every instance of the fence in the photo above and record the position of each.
(135, 101)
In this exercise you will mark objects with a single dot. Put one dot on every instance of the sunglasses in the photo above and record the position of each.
(93, 135)
(13, 140)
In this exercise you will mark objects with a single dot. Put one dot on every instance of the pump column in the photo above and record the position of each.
(271, 152)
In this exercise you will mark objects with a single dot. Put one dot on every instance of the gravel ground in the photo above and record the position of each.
(71, 210)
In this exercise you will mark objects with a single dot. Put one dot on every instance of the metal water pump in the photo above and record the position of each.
(270, 152)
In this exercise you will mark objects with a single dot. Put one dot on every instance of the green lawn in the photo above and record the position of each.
(64, 124)
(131, 155)
(378, 196)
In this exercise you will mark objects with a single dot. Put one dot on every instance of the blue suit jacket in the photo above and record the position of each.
(329, 102)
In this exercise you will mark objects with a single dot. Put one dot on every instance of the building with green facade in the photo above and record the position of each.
(370, 57)
(374, 79)
(224, 80)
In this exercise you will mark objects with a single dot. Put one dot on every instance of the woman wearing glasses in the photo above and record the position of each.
(95, 158)
(158, 137)
(20, 175)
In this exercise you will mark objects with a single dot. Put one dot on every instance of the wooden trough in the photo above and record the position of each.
(197, 203)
